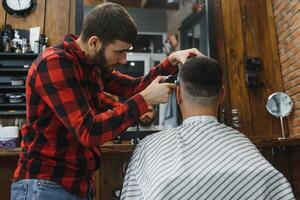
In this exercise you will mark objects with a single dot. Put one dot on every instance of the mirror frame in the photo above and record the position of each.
(279, 93)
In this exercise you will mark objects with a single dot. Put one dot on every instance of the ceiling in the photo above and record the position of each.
(151, 4)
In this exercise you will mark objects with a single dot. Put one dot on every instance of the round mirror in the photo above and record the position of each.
(279, 104)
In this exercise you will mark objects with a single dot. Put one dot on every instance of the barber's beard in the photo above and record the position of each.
(99, 59)
(146, 121)
(101, 62)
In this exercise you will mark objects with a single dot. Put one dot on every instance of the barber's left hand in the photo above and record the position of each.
(179, 57)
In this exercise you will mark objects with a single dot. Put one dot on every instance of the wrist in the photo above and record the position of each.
(146, 97)
(172, 61)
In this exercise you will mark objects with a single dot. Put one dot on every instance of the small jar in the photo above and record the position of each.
(36, 47)
(9, 136)
(222, 116)
(235, 117)
(17, 81)
(24, 48)
(15, 98)
(7, 45)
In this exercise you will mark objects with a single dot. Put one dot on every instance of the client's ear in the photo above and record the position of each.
(178, 95)
(222, 95)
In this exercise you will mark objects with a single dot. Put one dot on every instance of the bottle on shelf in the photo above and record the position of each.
(222, 116)
(235, 118)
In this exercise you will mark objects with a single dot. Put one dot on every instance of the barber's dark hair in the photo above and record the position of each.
(109, 21)
(201, 76)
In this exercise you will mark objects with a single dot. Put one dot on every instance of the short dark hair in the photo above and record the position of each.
(201, 76)
(109, 21)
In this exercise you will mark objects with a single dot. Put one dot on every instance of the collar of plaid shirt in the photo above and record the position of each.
(68, 116)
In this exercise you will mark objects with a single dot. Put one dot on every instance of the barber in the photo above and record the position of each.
(68, 115)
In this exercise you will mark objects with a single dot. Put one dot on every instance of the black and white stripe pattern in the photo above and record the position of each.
(201, 159)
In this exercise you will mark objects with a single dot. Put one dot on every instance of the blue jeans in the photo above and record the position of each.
(40, 189)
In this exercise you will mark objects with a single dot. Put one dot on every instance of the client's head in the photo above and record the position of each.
(200, 88)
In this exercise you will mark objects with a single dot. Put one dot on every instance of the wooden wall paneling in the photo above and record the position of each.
(92, 2)
(79, 16)
(97, 179)
(295, 163)
(266, 152)
(235, 67)
(281, 160)
(286, 160)
(220, 54)
(112, 173)
(273, 47)
(33, 20)
(72, 16)
(57, 20)
(8, 165)
(258, 41)
(2, 17)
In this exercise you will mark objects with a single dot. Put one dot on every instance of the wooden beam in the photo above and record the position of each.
(128, 3)
(143, 3)
(93, 2)
(155, 4)
(162, 4)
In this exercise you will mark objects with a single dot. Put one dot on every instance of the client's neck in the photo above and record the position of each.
(189, 110)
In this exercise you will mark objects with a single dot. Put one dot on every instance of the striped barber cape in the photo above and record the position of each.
(201, 159)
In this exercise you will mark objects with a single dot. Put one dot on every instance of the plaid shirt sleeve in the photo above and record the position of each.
(57, 81)
(127, 86)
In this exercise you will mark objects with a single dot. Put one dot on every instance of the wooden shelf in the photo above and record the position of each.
(5, 105)
(13, 69)
(10, 151)
(12, 113)
(110, 148)
(273, 141)
(128, 135)
(4, 55)
(12, 87)
(105, 149)
(12, 64)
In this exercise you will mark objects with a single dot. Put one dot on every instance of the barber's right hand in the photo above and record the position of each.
(157, 92)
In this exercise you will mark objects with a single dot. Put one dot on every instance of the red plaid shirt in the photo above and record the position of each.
(68, 115)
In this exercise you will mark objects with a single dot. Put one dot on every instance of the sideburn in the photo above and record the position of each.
(101, 61)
